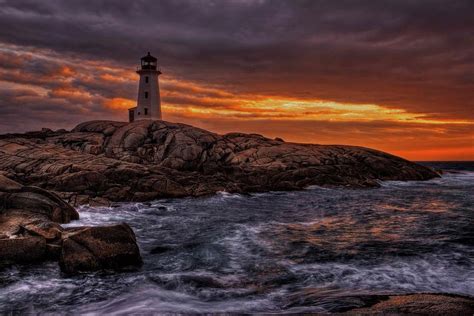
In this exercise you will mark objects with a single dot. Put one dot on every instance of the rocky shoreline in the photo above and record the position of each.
(43, 173)
(100, 162)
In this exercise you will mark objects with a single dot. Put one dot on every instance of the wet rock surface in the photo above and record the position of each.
(103, 161)
(416, 304)
(92, 248)
(388, 304)
(30, 233)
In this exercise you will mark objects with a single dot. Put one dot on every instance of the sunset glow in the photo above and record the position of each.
(236, 157)
(387, 102)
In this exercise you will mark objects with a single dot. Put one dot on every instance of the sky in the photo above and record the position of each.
(397, 75)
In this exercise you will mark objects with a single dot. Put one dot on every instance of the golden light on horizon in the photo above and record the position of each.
(89, 87)
(120, 104)
(279, 109)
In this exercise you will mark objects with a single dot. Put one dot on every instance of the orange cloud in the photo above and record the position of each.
(119, 104)
(67, 71)
(70, 93)
(98, 92)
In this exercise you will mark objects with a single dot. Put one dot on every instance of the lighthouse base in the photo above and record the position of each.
(136, 114)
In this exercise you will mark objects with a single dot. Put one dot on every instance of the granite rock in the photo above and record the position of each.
(30, 232)
(144, 160)
(92, 248)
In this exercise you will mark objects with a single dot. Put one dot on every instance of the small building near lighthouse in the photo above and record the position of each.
(148, 100)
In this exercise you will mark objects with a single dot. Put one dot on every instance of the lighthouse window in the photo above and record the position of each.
(146, 79)
(146, 111)
(146, 95)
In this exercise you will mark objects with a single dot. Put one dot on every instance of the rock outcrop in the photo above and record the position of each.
(102, 161)
(386, 304)
(30, 232)
(93, 248)
(417, 304)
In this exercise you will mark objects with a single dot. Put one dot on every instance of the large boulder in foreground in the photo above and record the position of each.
(30, 233)
(102, 161)
(20, 206)
(29, 217)
(92, 248)
(23, 249)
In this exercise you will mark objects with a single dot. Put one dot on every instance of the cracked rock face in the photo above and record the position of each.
(102, 161)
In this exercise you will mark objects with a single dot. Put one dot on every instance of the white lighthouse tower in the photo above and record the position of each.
(148, 100)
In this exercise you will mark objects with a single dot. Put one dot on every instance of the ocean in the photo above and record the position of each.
(314, 250)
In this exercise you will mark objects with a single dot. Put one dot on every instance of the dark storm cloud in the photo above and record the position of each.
(27, 109)
(416, 55)
(108, 89)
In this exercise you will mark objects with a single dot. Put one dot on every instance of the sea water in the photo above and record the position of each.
(302, 251)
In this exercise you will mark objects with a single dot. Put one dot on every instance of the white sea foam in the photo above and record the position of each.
(430, 274)
(150, 299)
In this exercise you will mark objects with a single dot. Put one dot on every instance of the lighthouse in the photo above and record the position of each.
(148, 100)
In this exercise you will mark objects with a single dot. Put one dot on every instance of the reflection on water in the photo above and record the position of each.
(313, 250)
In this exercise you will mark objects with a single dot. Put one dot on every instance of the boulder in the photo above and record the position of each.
(30, 232)
(34, 200)
(50, 231)
(39, 202)
(91, 248)
(386, 304)
(26, 249)
(418, 304)
(104, 127)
